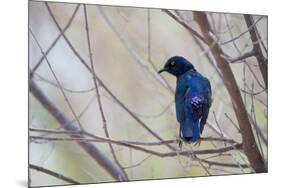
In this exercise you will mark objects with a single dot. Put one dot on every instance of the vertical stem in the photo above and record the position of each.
(249, 144)
(262, 61)
(253, 113)
(124, 177)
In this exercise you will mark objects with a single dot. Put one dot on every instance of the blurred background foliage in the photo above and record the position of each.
(114, 30)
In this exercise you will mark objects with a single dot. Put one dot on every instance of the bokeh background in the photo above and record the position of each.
(129, 45)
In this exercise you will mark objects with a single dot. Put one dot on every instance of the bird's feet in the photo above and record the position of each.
(197, 143)
(180, 141)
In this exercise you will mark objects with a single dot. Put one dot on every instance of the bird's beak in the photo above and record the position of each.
(162, 70)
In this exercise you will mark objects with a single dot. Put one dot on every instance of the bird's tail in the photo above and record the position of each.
(190, 130)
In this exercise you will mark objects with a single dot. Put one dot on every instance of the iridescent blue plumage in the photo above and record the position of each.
(192, 97)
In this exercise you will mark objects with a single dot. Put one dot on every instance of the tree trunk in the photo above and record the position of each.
(249, 144)
(262, 61)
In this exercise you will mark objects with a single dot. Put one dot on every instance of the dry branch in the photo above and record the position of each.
(262, 61)
(249, 144)
(138, 59)
(55, 41)
(239, 58)
(98, 93)
(126, 108)
(134, 145)
(57, 81)
(52, 173)
(90, 148)
(41, 78)
(121, 104)
(101, 139)
(190, 29)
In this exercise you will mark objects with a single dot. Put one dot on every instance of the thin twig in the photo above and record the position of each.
(101, 139)
(137, 164)
(98, 94)
(217, 123)
(55, 41)
(90, 148)
(222, 170)
(126, 144)
(57, 80)
(252, 92)
(217, 155)
(261, 41)
(113, 96)
(249, 145)
(239, 58)
(51, 131)
(157, 114)
(206, 169)
(138, 59)
(232, 122)
(41, 78)
(253, 113)
(243, 33)
(262, 61)
(258, 129)
(52, 173)
(230, 165)
(195, 33)
(121, 104)
(149, 59)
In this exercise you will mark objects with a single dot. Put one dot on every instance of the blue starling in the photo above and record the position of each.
(193, 97)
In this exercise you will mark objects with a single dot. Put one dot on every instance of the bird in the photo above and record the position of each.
(193, 98)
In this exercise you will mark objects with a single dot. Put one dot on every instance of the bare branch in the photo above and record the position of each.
(157, 114)
(239, 58)
(125, 177)
(230, 165)
(91, 149)
(103, 85)
(249, 145)
(65, 38)
(252, 93)
(138, 59)
(55, 41)
(241, 52)
(261, 41)
(149, 59)
(193, 32)
(131, 145)
(258, 129)
(50, 131)
(41, 78)
(101, 139)
(262, 61)
(217, 123)
(253, 114)
(54, 174)
(58, 82)
(243, 33)
(232, 122)
(137, 164)
(207, 55)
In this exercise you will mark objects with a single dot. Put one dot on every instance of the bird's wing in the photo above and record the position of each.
(206, 105)
(205, 113)
(180, 105)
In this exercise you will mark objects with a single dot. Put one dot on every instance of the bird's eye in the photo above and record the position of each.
(173, 63)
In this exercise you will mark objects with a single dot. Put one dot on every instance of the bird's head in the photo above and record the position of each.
(177, 66)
